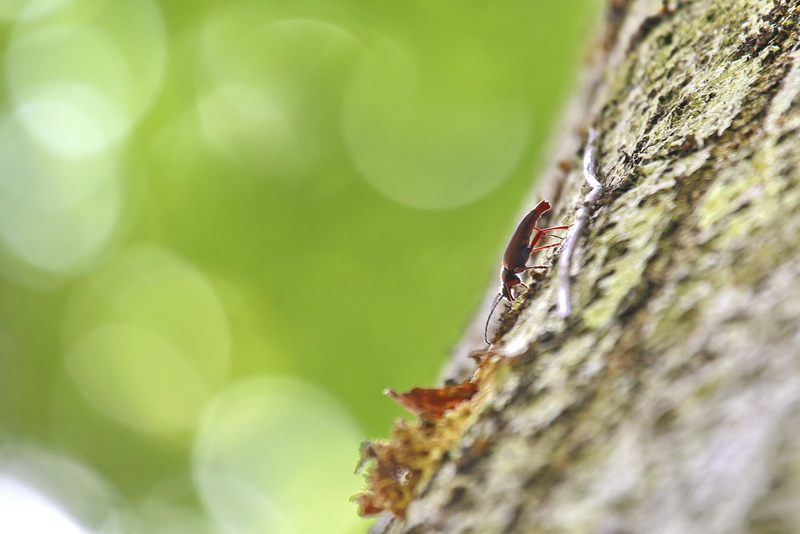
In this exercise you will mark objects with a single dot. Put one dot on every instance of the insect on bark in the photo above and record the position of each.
(520, 247)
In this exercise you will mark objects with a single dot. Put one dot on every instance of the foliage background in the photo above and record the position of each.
(225, 227)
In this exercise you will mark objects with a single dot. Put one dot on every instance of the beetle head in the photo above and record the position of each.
(509, 279)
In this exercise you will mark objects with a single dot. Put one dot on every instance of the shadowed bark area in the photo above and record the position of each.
(668, 401)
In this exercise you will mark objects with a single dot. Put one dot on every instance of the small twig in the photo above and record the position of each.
(578, 227)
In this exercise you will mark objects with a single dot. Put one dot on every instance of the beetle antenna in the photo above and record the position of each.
(486, 327)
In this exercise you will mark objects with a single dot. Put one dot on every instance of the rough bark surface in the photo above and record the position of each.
(668, 402)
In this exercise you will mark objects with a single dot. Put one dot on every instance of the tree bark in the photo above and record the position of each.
(667, 401)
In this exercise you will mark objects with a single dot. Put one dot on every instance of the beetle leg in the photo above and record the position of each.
(533, 267)
(545, 230)
(542, 232)
(537, 249)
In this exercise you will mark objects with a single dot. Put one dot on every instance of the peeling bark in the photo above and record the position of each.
(667, 402)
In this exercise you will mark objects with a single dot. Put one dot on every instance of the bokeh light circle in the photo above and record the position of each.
(72, 119)
(246, 123)
(270, 91)
(11, 10)
(138, 377)
(56, 212)
(420, 147)
(78, 76)
(82, 76)
(147, 340)
(70, 110)
(276, 454)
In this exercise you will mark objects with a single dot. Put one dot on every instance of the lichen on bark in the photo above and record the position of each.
(668, 400)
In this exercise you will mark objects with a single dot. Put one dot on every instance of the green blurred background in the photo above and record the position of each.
(226, 227)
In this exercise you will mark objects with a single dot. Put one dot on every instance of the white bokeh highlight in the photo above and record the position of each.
(45, 492)
(26, 511)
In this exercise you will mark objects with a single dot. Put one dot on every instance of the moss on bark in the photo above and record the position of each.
(668, 401)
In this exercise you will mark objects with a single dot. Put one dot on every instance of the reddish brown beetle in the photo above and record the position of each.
(520, 247)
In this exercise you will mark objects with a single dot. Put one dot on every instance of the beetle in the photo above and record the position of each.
(520, 247)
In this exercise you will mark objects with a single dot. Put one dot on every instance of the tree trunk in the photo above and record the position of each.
(667, 401)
